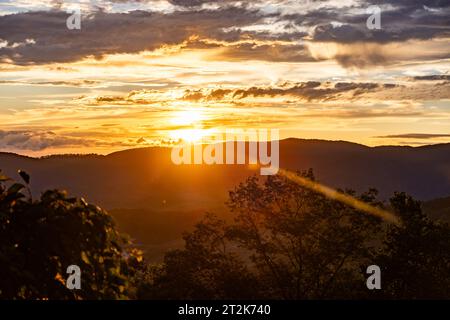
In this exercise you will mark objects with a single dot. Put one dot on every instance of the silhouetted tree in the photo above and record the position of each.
(287, 242)
(415, 259)
(40, 239)
(205, 269)
(303, 244)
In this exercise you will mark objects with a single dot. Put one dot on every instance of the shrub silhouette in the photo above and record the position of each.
(288, 242)
(40, 239)
(415, 258)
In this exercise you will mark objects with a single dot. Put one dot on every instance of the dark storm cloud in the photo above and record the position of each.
(413, 4)
(105, 33)
(71, 83)
(274, 53)
(311, 90)
(435, 77)
(416, 136)
(404, 21)
(326, 91)
(194, 3)
(362, 60)
(42, 37)
(38, 140)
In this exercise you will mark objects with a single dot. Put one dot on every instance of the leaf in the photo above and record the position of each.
(15, 188)
(12, 198)
(84, 257)
(60, 279)
(3, 177)
(25, 176)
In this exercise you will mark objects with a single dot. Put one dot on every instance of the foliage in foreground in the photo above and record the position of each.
(286, 242)
(39, 239)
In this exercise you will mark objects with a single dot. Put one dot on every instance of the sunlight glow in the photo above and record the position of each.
(187, 117)
(189, 135)
(341, 197)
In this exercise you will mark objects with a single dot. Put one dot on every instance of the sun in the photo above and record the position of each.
(187, 117)
(192, 120)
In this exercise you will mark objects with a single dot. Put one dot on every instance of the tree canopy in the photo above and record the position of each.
(289, 242)
(40, 238)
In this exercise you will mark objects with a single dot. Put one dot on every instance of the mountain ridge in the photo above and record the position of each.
(143, 174)
(155, 201)
(281, 140)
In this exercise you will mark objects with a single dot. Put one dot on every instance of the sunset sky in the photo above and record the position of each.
(144, 73)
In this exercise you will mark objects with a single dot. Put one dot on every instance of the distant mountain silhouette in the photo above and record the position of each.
(155, 200)
(140, 178)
